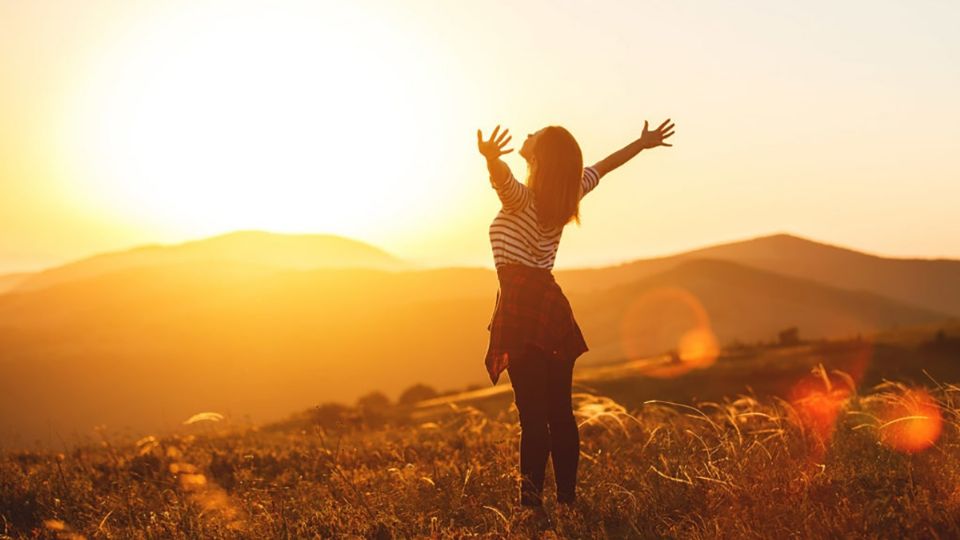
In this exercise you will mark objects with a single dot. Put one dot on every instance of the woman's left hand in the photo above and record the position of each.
(652, 139)
(493, 148)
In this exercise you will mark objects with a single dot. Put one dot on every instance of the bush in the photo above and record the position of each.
(415, 393)
(374, 401)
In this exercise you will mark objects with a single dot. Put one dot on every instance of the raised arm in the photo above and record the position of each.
(648, 139)
(513, 195)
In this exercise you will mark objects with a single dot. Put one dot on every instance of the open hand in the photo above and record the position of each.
(493, 148)
(651, 139)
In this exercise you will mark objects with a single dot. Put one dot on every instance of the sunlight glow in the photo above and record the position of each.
(263, 118)
(818, 400)
(674, 315)
(912, 422)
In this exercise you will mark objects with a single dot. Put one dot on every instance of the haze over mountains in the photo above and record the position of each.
(930, 283)
(286, 251)
(265, 324)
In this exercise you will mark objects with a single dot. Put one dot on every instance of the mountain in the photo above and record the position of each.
(930, 283)
(143, 347)
(149, 346)
(10, 281)
(282, 251)
(736, 302)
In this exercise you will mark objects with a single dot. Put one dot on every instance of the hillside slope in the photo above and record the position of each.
(930, 283)
(9, 282)
(285, 251)
(150, 346)
(650, 315)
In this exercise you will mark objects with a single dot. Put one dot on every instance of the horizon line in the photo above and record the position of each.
(422, 264)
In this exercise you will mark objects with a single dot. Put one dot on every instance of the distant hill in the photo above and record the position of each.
(930, 283)
(149, 346)
(282, 251)
(741, 303)
(10, 281)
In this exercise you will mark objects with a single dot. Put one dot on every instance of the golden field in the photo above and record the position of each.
(829, 461)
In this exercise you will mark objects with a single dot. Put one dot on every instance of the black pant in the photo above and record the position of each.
(541, 387)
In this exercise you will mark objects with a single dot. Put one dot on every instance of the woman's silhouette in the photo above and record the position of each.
(533, 334)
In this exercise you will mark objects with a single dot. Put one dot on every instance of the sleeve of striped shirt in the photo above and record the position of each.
(590, 180)
(512, 193)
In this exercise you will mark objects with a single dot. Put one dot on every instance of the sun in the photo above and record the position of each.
(305, 118)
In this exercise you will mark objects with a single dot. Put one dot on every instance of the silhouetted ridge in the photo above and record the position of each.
(930, 283)
(280, 251)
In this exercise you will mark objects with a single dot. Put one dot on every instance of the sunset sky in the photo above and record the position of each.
(126, 123)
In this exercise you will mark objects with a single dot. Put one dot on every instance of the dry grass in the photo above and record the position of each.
(824, 465)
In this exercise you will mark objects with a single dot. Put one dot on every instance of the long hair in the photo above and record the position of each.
(555, 177)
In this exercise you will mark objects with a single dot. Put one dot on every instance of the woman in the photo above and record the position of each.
(533, 334)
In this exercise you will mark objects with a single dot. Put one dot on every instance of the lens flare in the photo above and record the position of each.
(668, 318)
(912, 422)
(818, 399)
(699, 347)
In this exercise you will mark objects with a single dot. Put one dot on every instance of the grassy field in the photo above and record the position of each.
(829, 458)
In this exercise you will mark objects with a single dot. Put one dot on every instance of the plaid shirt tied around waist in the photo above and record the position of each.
(530, 308)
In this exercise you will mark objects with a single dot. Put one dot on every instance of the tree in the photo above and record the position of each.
(415, 393)
(374, 401)
(330, 414)
(375, 408)
(789, 336)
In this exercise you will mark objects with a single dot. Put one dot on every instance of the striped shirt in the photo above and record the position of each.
(516, 236)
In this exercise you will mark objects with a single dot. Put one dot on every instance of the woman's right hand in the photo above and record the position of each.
(493, 148)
